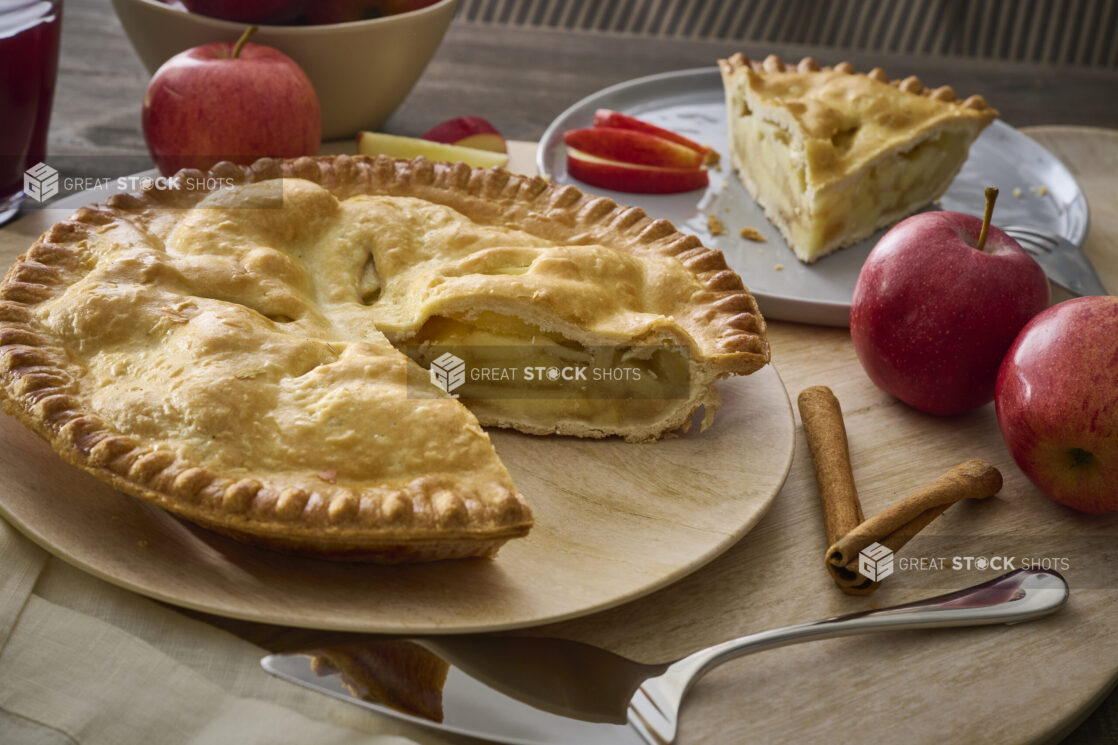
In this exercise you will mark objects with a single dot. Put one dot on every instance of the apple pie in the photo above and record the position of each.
(832, 155)
(246, 348)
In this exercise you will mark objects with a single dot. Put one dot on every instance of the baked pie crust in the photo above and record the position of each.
(233, 358)
(832, 155)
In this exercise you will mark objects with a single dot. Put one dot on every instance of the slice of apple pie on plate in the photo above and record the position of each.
(831, 154)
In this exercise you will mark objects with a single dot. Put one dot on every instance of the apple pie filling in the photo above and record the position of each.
(512, 365)
(892, 185)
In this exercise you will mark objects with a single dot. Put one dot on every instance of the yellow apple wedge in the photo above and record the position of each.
(394, 146)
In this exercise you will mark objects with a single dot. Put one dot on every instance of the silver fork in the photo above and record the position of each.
(1063, 261)
(1019, 596)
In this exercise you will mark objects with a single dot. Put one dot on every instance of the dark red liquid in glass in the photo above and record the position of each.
(29, 34)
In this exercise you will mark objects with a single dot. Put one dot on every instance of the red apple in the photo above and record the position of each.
(395, 7)
(638, 179)
(248, 11)
(225, 101)
(935, 309)
(322, 12)
(617, 120)
(1057, 402)
(468, 131)
(628, 146)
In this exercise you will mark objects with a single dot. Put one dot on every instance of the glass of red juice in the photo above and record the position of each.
(29, 37)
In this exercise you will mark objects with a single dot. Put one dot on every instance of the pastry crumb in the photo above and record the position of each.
(778, 267)
(752, 234)
(143, 544)
(1040, 191)
(1017, 192)
(715, 226)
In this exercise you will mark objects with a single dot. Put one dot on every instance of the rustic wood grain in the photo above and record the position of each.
(962, 688)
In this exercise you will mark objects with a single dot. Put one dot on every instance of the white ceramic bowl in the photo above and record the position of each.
(361, 71)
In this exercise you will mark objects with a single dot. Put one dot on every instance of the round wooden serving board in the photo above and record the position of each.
(613, 521)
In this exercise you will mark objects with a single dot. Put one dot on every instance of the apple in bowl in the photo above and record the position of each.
(1057, 402)
(248, 11)
(936, 306)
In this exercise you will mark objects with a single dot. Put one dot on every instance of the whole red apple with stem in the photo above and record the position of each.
(224, 101)
(1057, 402)
(938, 302)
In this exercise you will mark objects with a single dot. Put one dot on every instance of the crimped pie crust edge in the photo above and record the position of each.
(738, 62)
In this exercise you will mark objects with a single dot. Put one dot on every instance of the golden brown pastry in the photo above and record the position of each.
(233, 355)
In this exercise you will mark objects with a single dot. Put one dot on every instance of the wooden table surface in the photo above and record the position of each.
(521, 79)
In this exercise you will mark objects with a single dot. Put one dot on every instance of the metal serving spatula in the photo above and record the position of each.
(543, 691)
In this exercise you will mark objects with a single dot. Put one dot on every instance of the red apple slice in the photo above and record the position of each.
(628, 146)
(617, 120)
(636, 179)
(468, 131)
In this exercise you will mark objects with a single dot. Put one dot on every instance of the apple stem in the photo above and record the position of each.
(241, 42)
(991, 197)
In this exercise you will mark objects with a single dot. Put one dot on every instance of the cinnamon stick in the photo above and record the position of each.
(826, 438)
(848, 533)
(894, 526)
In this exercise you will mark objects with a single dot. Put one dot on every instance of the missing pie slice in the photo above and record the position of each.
(832, 155)
(240, 356)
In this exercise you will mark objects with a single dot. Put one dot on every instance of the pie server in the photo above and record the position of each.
(545, 691)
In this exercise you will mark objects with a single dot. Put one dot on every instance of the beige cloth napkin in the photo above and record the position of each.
(85, 662)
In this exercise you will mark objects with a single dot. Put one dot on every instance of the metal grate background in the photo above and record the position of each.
(1081, 33)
